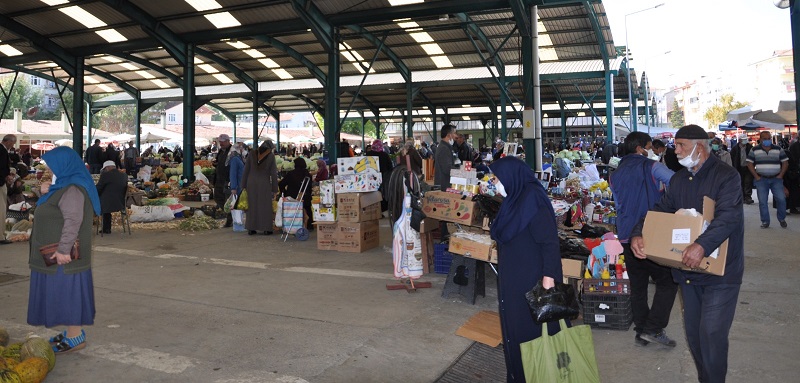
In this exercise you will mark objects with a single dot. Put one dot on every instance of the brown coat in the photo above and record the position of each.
(261, 182)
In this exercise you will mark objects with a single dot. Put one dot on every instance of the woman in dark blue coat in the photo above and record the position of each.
(528, 252)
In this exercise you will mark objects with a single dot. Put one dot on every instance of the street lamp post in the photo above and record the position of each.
(633, 114)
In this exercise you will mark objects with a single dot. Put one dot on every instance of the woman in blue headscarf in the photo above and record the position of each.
(63, 294)
(528, 252)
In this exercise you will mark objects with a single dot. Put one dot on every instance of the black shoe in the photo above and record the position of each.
(660, 338)
(251, 232)
(749, 201)
(764, 225)
(267, 233)
(639, 341)
(783, 224)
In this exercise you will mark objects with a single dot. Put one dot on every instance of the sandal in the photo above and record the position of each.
(67, 345)
(58, 338)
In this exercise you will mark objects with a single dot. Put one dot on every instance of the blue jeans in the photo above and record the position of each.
(763, 187)
(707, 316)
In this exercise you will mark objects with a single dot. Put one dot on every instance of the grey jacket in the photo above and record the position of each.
(443, 160)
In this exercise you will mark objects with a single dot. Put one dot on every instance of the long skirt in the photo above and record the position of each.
(61, 299)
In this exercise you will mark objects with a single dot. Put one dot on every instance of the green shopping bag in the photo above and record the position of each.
(567, 357)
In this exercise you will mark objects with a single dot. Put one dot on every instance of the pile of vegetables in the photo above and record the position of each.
(574, 155)
(287, 164)
(26, 362)
(198, 223)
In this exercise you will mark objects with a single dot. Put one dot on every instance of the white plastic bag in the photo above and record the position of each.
(238, 220)
(144, 173)
(201, 177)
(230, 203)
(279, 213)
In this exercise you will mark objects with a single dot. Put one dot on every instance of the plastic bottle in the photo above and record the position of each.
(587, 274)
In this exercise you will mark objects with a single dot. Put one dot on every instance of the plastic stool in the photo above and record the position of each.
(467, 277)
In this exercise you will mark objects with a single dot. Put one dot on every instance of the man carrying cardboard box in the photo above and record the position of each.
(709, 300)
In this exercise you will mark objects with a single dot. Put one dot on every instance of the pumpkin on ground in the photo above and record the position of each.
(10, 363)
(32, 370)
(9, 376)
(12, 351)
(38, 347)
(3, 337)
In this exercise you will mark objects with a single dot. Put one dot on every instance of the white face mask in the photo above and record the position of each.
(450, 141)
(500, 188)
(651, 154)
(53, 180)
(689, 161)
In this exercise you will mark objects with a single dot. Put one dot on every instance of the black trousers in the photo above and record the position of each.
(653, 318)
(707, 316)
(747, 183)
(106, 223)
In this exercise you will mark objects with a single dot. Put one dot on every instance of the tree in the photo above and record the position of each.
(23, 96)
(719, 111)
(118, 119)
(354, 127)
(676, 116)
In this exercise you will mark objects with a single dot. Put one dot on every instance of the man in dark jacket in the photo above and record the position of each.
(739, 154)
(709, 301)
(112, 187)
(443, 161)
(222, 174)
(637, 184)
(9, 141)
(94, 157)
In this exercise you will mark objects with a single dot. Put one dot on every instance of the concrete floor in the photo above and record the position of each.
(226, 307)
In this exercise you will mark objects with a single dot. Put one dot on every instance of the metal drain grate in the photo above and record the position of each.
(6, 278)
(479, 363)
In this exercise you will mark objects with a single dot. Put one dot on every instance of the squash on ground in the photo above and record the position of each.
(9, 376)
(32, 370)
(38, 347)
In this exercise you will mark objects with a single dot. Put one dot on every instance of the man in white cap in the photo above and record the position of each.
(222, 174)
(739, 159)
(111, 187)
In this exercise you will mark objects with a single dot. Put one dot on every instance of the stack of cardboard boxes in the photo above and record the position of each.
(349, 207)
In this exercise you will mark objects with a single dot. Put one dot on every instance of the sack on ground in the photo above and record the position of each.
(567, 357)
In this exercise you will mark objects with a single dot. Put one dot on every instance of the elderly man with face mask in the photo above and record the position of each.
(709, 301)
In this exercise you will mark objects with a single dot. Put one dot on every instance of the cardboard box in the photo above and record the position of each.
(571, 268)
(326, 236)
(357, 183)
(469, 248)
(358, 165)
(450, 207)
(359, 207)
(357, 237)
(323, 213)
(667, 235)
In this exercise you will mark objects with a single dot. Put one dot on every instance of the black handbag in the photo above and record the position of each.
(414, 189)
(552, 304)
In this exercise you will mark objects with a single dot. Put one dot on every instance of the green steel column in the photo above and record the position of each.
(610, 107)
(503, 120)
(378, 126)
(88, 125)
(363, 131)
(533, 147)
(234, 129)
(495, 131)
(77, 108)
(409, 112)
(795, 21)
(646, 110)
(188, 114)
(332, 101)
(255, 119)
(527, 79)
(137, 121)
(277, 128)
(563, 124)
(433, 122)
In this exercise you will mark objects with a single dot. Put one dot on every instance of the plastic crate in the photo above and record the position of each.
(612, 311)
(441, 258)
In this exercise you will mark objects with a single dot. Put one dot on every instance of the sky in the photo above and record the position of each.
(703, 37)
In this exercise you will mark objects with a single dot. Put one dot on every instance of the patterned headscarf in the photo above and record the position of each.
(377, 146)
